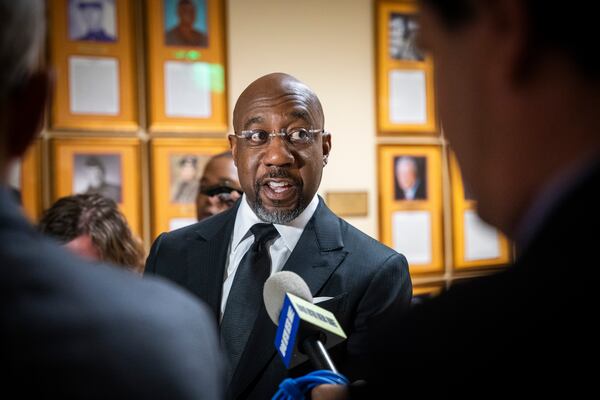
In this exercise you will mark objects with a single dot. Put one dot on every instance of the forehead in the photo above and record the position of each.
(271, 99)
(268, 108)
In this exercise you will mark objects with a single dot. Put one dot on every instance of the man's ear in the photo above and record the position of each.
(326, 147)
(233, 146)
(26, 110)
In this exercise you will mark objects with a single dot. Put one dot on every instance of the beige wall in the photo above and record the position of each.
(329, 45)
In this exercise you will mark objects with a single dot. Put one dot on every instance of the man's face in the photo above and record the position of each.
(95, 176)
(407, 174)
(188, 172)
(279, 179)
(187, 14)
(219, 172)
(92, 15)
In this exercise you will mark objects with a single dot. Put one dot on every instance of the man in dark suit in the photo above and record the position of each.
(519, 103)
(70, 329)
(280, 149)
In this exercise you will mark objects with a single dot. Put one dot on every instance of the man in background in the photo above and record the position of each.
(92, 15)
(70, 329)
(95, 173)
(410, 184)
(184, 34)
(219, 186)
(185, 186)
(519, 101)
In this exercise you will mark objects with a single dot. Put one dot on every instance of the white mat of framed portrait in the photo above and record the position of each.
(186, 66)
(92, 53)
(107, 166)
(405, 96)
(475, 243)
(177, 166)
(410, 204)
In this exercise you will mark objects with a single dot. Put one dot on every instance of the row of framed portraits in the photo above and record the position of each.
(112, 167)
(98, 65)
(411, 209)
(405, 86)
(412, 212)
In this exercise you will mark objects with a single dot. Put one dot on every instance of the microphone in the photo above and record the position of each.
(303, 328)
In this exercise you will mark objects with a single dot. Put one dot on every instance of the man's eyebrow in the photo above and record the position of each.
(253, 120)
(301, 114)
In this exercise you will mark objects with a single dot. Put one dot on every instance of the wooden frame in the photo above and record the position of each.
(171, 61)
(173, 208)
(31, 181)
(485, 246)
(402, 69)
(111, 56)
(422, 243)
(120, 166)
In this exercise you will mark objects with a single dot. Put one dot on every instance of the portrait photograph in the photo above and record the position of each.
(92, 20)
(402, 32)
(185, 23)
(98, 173)
(410, 178)
(185, 171)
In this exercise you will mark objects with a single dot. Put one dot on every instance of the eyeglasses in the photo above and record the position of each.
(297, 137)
(218, 190)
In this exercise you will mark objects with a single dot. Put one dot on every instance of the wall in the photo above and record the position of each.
(329, 45)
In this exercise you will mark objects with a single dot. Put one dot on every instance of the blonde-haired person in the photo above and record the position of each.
(92, 226)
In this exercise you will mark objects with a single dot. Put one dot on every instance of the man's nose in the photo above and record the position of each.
(278, 153)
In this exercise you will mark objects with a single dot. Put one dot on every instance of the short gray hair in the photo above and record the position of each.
(22, 28)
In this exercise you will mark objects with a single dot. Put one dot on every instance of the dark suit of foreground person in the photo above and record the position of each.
(519, 101)
(280, 177)
(70, 329)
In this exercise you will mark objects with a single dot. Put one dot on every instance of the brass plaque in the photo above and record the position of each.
(348, 204)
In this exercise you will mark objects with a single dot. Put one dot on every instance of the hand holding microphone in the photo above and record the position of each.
(304, 331)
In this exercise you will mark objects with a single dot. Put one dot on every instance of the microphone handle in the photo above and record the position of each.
(317, 353)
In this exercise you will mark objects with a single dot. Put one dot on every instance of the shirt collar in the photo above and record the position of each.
(290, 232)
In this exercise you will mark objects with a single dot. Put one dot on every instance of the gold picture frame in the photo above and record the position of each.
(109, 166)
(405, 88)
(174, 189)
(31, 181)
(196, 61)
(410, 204)
(96, 87)
(475, 244)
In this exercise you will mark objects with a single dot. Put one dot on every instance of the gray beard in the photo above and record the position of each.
(280, 217)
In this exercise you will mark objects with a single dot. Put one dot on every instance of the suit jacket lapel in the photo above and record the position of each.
(206, 257)
(317, 254)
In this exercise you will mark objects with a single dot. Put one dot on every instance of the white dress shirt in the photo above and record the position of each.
(280, 249)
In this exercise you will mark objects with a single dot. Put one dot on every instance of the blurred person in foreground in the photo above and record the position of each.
(70, 329)
(219, 187)
(519, 103)
(92, 226)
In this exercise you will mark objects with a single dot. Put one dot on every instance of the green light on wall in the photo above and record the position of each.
(191, 55)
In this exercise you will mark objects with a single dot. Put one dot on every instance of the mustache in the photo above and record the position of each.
(277, 172)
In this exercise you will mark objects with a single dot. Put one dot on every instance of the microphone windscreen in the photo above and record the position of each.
(277, 286)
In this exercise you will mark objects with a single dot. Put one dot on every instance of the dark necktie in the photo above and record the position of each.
(245, 297)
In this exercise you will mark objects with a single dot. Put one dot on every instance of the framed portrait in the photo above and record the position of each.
(92, 51)
(31, 181)
(106, 166)
(475, 243)
(177, 166)
(410, 204)
(405, 96)
(186, 66)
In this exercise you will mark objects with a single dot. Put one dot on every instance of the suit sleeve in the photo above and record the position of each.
(150, 268)
(388, 293)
